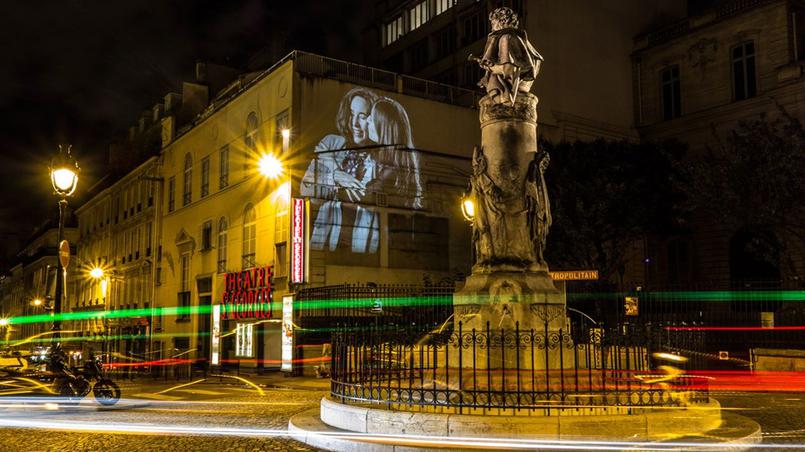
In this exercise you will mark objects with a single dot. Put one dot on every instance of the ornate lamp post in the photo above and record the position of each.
(64, 177)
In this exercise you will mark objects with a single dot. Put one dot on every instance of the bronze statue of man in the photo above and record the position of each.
(510, 61)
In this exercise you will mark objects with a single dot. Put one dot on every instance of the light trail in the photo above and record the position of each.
(735, 328)
(404, 440)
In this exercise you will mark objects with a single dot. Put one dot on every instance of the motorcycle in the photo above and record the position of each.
(75, 384)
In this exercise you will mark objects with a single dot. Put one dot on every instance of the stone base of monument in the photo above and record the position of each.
(340, 427)
(503, 300)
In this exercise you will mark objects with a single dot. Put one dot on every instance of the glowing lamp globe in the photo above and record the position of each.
(468, 208)
(64, 173)
(96, 273)
(270, 166)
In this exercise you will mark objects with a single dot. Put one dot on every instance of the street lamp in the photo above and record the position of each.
(468, 208)
(270, 166)
(64, 177)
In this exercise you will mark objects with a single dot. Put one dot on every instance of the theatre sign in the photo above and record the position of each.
(247, 294)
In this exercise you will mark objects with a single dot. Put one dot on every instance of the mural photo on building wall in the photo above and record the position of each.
(371, 160)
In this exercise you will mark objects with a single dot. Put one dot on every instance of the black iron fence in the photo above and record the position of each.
(417, 307)
(505, 371)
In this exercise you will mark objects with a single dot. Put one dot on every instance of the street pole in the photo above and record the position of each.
(59, 278)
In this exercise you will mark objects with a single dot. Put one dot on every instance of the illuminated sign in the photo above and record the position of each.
(298, 245)
(575, 275)
(216, 335)
(244, 337)
(631, 306)
(287, 333)
(247, 294)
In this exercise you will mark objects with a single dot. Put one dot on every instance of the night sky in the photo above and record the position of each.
(81, 72)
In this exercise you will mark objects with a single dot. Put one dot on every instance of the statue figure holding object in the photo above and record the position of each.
(510, 61)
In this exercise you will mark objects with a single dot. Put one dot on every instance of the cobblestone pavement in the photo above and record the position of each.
(194, 412)
(199, 406)
(781, 415)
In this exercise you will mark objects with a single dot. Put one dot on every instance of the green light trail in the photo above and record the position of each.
(407, 302)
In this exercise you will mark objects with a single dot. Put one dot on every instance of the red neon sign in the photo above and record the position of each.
(247, 294)
(298, 235)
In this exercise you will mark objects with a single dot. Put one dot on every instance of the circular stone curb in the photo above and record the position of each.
(649, 425)
(737, 433)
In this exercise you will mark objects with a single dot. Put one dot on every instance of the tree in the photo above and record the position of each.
(607, 194)
(754, 181)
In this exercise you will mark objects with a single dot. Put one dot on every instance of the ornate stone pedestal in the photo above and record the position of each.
(508, 300)
(510, 289)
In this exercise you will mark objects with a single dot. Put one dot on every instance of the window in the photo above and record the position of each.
(744, 81)
(148, 238)
(472, 75)
(281, 123)
(444, 5)
(280, 261)
(445, 41)
(474, 28)
(250, 139)
(184, 273)
(393, 30)
(183, 296)
(171, 195)
(418, 241)
(249, 237)
(418, 15)
(244, 346)
(419, 55)
(205, 177)
(222, 229)
(281, 220)
(223, 179)
(206, 236)
(671, 98)
(187, 192)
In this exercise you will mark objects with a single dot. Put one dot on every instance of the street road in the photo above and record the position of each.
(218, 417)
(180, 416)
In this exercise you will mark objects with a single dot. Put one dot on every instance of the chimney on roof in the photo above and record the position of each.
(173, 101)
(157, 112)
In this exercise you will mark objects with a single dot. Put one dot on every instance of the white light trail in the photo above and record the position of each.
(412, 440)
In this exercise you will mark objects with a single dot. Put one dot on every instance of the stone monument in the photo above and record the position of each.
(509, 283)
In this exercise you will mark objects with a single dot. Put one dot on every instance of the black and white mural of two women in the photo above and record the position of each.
(372, 152)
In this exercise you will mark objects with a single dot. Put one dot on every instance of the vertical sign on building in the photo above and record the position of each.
(216, 335)
(287, 333)
(298, 241)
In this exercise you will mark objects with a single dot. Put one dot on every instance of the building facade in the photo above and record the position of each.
(30, 286)
(695, 80)
(367, 165)
(585, 84)
(115, 262)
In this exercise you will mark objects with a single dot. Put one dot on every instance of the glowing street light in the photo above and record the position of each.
(64, 173)
(64, 178)
(270, 166)
(96, 273)
(4, 322)
(37, 301)
(468, 208)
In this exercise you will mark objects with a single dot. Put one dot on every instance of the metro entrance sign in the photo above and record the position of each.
(575, 275)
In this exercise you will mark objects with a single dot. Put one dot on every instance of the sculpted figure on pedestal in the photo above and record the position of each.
(510, 227)
(510, 61)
